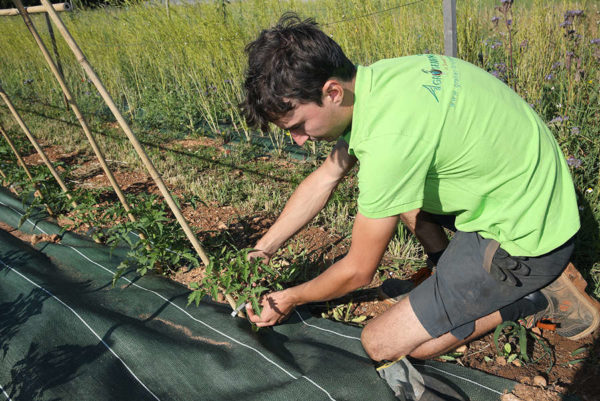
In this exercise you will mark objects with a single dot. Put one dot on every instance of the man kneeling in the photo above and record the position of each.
(440, 142)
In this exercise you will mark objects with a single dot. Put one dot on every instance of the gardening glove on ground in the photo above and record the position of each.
(409, 384)
(405, 381)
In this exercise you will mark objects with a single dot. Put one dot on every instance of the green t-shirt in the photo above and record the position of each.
(440, 134)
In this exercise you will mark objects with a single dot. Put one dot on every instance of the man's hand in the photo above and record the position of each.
(258, 254)
(276, 308)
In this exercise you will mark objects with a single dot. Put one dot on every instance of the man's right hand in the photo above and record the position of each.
(258, 254)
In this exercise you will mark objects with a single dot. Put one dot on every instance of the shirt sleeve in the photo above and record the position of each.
(392, 174)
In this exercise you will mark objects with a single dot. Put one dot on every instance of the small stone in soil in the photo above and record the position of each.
(462, 349)
(500, 360)
(539, 381)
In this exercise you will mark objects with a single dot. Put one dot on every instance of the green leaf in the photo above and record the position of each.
(447, 358)
(511, 358)
(194, 296)
(523, 343)
(507, 348)
(498, 331)
(579, 351)
(256, 306)
(259, 290)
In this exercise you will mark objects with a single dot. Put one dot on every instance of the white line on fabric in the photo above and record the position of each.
(85, 323)
(4, 392)
(182, 310)
(463, 378)
(322, 389)
(330, 331)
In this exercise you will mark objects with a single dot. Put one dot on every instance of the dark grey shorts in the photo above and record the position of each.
(462, 290)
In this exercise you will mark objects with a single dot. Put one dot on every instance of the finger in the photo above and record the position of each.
(497, 273)
(251, 315)
(511, 277)
(523, 269)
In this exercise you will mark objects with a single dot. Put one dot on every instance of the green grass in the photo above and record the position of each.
(181, 76)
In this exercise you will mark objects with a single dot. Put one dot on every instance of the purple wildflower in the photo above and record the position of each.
(573, 162)
(595, 41)
(495, 19)
(496, 44)
(573, 13)
(556, 65)
(524, 43)
(501, 67)
(556, 120)
(549, 77)
(508, 22)
(566, 23)
(575, 130)
(495, 73)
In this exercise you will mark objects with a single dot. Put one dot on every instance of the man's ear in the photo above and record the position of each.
(333, 91)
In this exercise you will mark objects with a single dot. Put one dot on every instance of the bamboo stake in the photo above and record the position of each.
(55, 50)
(130, 135)
(36, 145)
(71, 101)
(36, 9)
(21, 162)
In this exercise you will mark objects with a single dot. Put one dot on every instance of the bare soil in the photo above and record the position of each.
(573, 371)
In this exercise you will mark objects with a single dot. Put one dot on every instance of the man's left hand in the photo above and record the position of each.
(276, 308)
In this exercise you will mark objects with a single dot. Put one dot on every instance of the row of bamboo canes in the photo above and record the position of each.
(51, 12)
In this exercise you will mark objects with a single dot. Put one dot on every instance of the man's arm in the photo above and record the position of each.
(307, 200)
(370, 238)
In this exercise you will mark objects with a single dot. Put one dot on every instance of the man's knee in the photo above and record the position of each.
(371, 343)
(379, 346)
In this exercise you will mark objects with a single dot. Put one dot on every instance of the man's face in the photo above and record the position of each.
(318, 123)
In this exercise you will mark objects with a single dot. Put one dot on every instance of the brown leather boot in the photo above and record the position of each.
(569, 306)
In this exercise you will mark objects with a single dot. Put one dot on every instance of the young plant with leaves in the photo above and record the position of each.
(156, 240)
(516, 343)
(231, 273)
